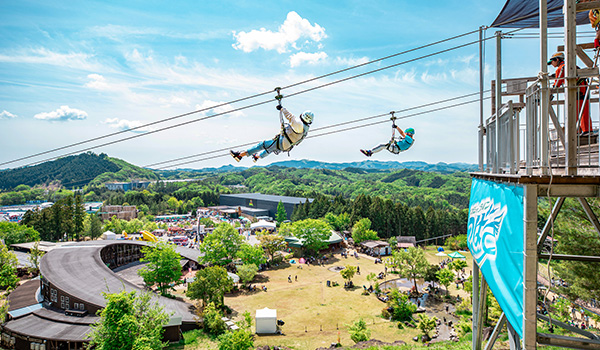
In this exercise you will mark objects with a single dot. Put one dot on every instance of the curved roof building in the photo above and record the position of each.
(56, 312)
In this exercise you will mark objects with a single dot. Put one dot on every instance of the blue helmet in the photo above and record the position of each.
(307, 117)
(410, 131)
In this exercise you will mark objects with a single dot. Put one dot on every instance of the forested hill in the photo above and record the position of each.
(73, 171)
(367, 165)
(411, 187)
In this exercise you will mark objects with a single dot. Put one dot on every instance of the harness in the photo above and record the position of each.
(392, 146)
(288, 133)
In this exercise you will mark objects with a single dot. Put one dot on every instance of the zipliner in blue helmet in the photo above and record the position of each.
(405, 142)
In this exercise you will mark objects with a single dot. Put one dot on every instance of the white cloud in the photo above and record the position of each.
(293, 28)
(6, 115)
(124, 124)
(98, 82)
(44, 56)
(169, 102)
(351, 61)
(221, 109)
(62, 114)
(118, 33)
(305, 57)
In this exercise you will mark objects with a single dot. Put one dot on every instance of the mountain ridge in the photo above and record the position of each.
(439, 167)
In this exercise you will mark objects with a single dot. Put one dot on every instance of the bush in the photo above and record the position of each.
(464, 308)
(402, 308)
(464, 326)
(359, 331)
(213, 324)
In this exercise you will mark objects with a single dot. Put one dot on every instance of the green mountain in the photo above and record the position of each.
(364, 166)
(74, 171)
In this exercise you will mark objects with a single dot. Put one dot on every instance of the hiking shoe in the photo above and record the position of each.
(366, 152)
(236, 155)
(255, 158)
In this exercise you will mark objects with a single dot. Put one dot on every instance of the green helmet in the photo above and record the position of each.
(410, 131)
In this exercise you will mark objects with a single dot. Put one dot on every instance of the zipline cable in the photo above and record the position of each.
(327, 133)
(264, 102)
(311, 136)
(254, 96)
(238, 100)
(326, 127)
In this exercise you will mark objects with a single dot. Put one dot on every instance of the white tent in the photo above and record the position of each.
(109, 235)
(266, 321)
(263, 224)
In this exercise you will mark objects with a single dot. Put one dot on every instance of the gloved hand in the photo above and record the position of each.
(596, 43)
(394, 126)
(279, 107)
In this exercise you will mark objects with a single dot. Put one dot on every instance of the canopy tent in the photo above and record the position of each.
(232, 276)
(457, 255)
(441, 254)
(266, 321)
(109, 235)
(524, 14)
(263, 224)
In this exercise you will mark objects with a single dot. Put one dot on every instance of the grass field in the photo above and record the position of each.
(314, 314)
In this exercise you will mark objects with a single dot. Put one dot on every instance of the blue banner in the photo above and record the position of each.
(495, 238)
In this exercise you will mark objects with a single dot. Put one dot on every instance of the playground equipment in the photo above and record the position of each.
(149, 237)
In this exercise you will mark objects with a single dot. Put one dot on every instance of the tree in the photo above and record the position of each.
(221, 245)
(411, 263)
(247, 272)
(3, 307)
(281, 215)
(35, 254)
(210, 285)
(361, 231)
(445, 277)
(213, 320)
(402, 308)
(251, 254)
(431, 274)
(8, 268)
(163, 266)
(13, 233)
(348, 273)
(78, 217)
(313, 233)
(271, 243)
(129, 322)
(458, 265)
(427, 324)
(95, 226)
(359, 331)
(372, 278)
(241, 339)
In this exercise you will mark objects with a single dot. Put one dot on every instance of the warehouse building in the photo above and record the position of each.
(262, 201)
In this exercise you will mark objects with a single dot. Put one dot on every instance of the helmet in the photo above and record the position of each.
(307, 117)
(410, 131)
(558, 55)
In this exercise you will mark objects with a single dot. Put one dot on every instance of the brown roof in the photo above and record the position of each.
(407, 239)
(374, 244)
(24, 295)
(35, 326)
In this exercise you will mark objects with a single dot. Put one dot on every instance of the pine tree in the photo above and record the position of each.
(78, 216)
(281, 214)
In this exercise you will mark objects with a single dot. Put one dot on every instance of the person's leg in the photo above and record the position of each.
(261, 146)
(379, 148)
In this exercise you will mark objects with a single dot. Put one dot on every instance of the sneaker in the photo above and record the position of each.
(366, 152)
(236, 155)
(255, 158)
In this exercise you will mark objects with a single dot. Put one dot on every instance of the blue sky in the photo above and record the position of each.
(72, 71)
